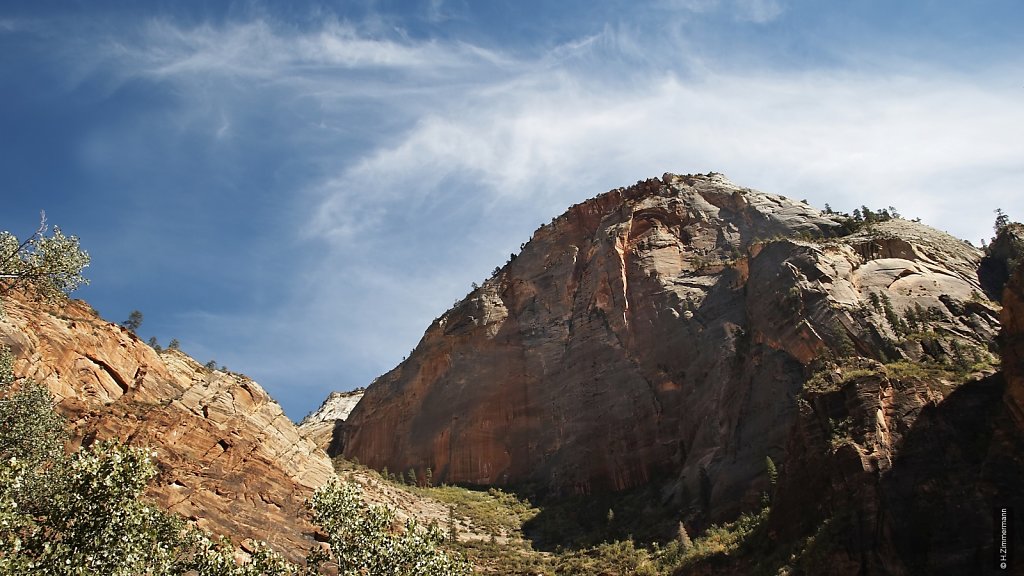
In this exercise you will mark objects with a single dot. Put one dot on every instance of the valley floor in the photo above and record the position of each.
(503, 533)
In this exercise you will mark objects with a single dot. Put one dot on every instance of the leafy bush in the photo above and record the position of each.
(362, 542)
(83, 513)
(51, 265)
(726, 540)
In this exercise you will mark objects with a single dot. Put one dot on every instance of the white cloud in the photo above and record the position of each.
(258, 50)
(443, 10)
(937, 147)
(460, 151)
(834, 137)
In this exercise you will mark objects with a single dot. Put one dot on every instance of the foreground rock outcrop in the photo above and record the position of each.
(228, 456)
(667, 331)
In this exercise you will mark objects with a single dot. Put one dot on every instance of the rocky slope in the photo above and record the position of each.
(890, 470)
(319, 426)
(229, 457)
(667, 331)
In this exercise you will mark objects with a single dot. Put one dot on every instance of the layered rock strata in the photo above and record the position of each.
(320, 426)
(666, 330)
(228, 456)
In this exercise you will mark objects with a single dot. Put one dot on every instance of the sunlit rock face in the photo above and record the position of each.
(319, 426)
(228, 456)
(664, 330)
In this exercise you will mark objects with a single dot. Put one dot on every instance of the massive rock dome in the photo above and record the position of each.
(666, 330)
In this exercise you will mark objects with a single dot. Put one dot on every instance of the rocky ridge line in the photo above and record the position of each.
(228, 456)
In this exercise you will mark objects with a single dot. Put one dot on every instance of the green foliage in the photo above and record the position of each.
(50, 265)
(899, 327)
(199, 554)
(453, 527)
(1002, 221)
(83, 514)
(773, 473)
(861, 217)
(362, 542)
(725, 540)
(621, 558)
(30, 431)
(174, 344)
(845, 347)
(76, 514)
(6, 367)
(94, 521)
(825, 380)
(493, 511)
(133, 322)
(839, 432)
(683, 537)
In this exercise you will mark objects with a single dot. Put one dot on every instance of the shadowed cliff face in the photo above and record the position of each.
(664, 329)
(1012, 345)
(228, 456)
(893, 472)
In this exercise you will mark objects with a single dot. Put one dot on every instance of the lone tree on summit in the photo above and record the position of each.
(50, 265)
(133, 322)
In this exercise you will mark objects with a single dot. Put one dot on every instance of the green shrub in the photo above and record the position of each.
(362, 541)
(50, 265)
(83, 513)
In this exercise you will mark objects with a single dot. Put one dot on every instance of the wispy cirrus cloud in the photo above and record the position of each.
(840, 137)
(260, 51)
(504, 161)
(397, 169)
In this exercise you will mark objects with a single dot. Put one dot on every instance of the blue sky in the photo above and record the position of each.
(296, 189)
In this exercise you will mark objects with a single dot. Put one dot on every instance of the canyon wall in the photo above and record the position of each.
(228, 456)
(666, 330)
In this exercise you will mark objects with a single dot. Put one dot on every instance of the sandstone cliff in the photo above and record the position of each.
(665, 331)
(320, 425)
(891, 471)
(228, 456)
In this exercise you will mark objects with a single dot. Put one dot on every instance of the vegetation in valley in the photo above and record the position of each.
(505, 532)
